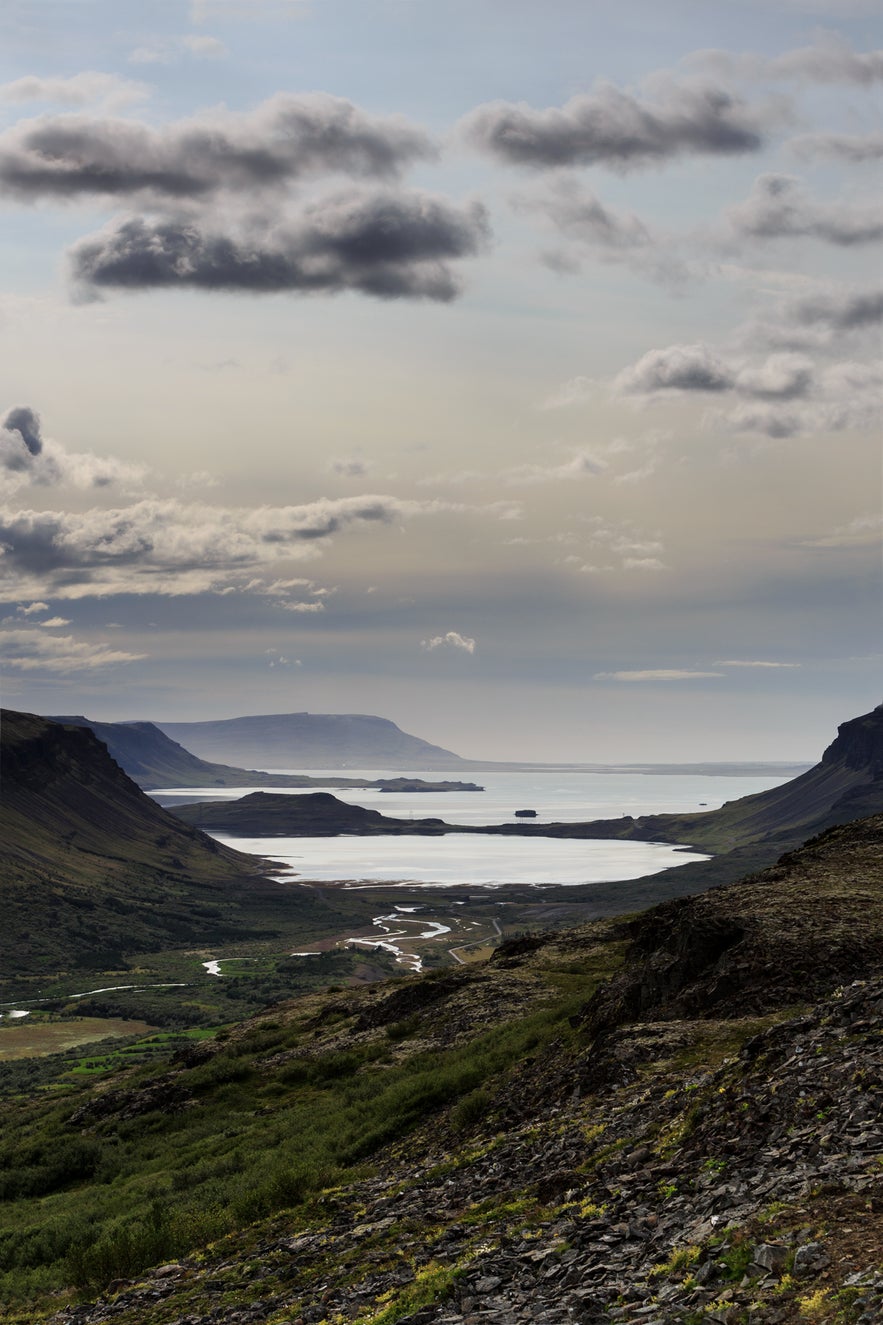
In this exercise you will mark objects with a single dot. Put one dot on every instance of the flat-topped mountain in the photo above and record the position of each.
(153, 759)
(310, 740)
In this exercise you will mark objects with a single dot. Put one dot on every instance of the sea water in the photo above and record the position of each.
(560, 795)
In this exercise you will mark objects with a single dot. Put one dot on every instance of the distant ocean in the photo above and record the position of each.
(564, 796)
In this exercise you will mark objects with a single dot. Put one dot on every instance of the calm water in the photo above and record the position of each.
(564, 796)
(486, 862)
(558, 796)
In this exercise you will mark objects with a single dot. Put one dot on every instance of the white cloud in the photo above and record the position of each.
(643, 563)
(171, 547)
(659, 674)
(32, 651)
(452, 640)
(55, 621)
(579, 466)
(863, 531)
(108, 91)
(165, 50)
(744, 662)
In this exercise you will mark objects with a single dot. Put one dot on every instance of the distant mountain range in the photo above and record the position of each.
(311, 740)
(153, 759)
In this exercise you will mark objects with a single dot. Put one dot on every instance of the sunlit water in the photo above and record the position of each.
(454, 860)
(562, 796)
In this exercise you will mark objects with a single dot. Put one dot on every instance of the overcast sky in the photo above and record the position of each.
(507, 369)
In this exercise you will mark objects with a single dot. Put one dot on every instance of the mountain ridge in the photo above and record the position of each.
(311, 740)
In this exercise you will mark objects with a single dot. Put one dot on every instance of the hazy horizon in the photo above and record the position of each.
(507, 371)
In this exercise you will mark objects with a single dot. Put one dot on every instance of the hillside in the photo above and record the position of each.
(152, 759)
(93, 869)
(672, 1119)
(846, 783)
(316, 814)
(310, 740)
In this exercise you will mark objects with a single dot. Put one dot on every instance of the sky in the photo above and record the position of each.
(509, 370)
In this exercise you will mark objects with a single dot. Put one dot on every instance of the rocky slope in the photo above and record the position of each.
(699, 1140)
(310, 740)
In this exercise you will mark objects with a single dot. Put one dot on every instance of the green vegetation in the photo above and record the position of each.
(146, 1156)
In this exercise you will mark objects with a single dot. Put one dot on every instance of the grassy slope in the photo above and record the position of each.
(92, 869)
(149, 1163)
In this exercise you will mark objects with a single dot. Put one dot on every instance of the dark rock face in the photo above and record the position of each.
(810, 922)
(859, 744)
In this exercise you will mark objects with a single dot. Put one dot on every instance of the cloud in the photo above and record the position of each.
(780, 377)
(854, 148)
(31, 651)
(580, 214)
(830, 60)
(351, 468)
(863, 531)
(452, 640)
(660, 674)
(742, 662)
(643, 563)
(590, 227)
(778, 208)
(616, 129)
(84, 89)
(27, 457)
(249, 153)
(580, 465)
(389, 245)
(165, 50)
(840, 310)
(55, 621)
(32, 609)
(23, 420)
(676, 368)
(783, 395)
(170, 547)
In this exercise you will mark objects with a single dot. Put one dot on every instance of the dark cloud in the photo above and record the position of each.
(778, 208)
(614, 128)
(676, 368)
(779, 396)
(283, 139)
(23, 420)
(851, 310)
(855, 148)
(391, 245)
